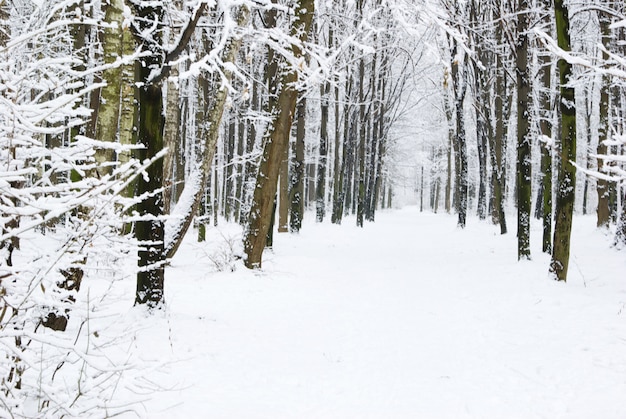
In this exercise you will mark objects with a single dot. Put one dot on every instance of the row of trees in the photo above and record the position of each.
(518, 90)
(126, 122)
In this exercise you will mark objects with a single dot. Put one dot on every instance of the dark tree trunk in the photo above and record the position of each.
(283, 193)
(459, 78)
(349, 151)
(360, 186)
(499, 142)
(381, 148)
(337, 167)
(481, 69)
(150, 230)
(603, 212)
(376, 108)
(545, 126)
(320, 190)
(566, 187)
(296, 212)
(524, 158)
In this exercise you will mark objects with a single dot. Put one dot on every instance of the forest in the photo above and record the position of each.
(130, 129)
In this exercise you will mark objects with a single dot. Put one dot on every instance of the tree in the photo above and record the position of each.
(149, 231)
(603, 210)
(459, 79)
(482, 69)
(320, 189)
(296, 193)
(524, 159)
(545, 127)
(276, 139)
(502, 104)
(108, 111)
(566, 184)
(151, 71)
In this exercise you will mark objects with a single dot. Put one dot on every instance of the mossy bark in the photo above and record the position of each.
(149, 231)
(110, 95)
(566, 186)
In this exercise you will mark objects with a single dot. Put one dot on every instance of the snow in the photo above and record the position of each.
(408, 317)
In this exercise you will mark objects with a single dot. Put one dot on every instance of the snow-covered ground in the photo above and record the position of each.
(408, 317)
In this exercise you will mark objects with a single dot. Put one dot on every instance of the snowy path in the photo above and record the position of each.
(407, 318)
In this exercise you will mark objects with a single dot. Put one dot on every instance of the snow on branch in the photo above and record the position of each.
(553, 47)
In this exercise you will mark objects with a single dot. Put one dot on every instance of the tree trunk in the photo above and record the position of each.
(110, 95)
(250, 140)
(524, 157)
(150, 230)
(171, 137)
(275, 141)
(481, 68)
(239, 167)
(459, 78)
(341, 173)
(381, 146)
(320, 190)
(360, 191)
(499, 141)
(127, 106)
(283, 193)
(376, 109)
(449, 148)
(603, 211)
(545, 126)
(566, 187)
(296, 212)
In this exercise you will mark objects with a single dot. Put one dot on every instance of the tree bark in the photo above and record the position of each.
(459, 78)
(341, 171)
(360, 187)
(275, 142)
(150, 230)
(110, 95)
(171, 138)
(524, 157)
(296, 212)
(380, 155)
(545, 126)
(603, 211)
(499, 142)
(566, 187)
(127, 105)
(320, 190)
(449, 151)
(481, 69)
